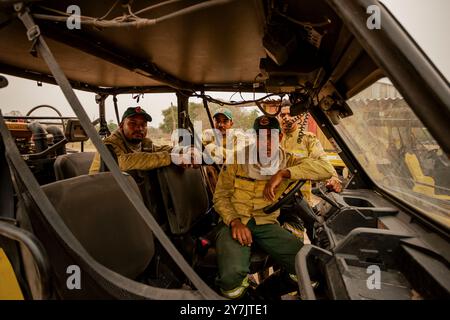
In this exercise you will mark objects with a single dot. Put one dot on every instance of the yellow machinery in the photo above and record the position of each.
(9, 287)
(422, 183)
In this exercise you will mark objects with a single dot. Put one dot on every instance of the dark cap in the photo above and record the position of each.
(131, 111)
(265, 122)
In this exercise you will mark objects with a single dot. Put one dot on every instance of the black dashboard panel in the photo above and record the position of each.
(374, 251)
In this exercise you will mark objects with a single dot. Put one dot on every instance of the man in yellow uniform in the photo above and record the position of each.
(304, 144)
(243, 190)
(217, 140)
(216, 145)
(130, 146)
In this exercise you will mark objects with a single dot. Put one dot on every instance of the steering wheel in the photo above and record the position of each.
(50, 107)
(285, 197)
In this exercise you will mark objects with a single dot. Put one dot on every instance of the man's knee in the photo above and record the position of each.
(280, 244)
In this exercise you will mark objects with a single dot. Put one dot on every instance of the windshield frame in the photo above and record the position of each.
(423, 87)
(404, 63)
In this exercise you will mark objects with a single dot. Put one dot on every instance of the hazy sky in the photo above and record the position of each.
(22, 95)
(429, 24)
(425, 20)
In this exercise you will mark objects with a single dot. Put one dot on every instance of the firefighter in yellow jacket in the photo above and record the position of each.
(242, 191)
(219, 142)
(130, 146)
(223, 139)
(304, 144)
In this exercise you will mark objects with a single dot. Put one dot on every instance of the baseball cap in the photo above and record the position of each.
(265, 122)
(131, 111)
(226, 112)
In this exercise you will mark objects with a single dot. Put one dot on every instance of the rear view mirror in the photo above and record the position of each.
(74, 131)
(3, 82)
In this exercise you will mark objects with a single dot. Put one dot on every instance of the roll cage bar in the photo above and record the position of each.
(41, 47)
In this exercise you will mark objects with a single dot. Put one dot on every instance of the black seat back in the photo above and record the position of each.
(104, 221)
(72, 165)
(64, 238)
(185, 197)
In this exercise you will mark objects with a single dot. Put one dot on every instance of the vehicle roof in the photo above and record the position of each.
(219, 47)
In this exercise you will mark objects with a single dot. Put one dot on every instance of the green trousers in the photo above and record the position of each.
(234, 259)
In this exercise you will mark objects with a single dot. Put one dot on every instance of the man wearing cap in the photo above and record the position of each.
(130, 146)
(243, 190)
(216, 145)
(215, 141)
(304, 144)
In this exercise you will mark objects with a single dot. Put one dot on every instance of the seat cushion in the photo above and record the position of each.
(104, 221)
(73, 165)
(184, 195)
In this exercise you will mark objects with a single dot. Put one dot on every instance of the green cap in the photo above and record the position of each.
(265, 122)
(226, 112)
(131, 111)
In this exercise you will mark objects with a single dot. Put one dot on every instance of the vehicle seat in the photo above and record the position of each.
(186, 202)
(72, 165)
(104, 221)
(184, 195)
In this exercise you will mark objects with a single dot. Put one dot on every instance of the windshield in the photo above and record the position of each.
(397, 151)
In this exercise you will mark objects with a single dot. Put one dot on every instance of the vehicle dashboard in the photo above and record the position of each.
(368, 248)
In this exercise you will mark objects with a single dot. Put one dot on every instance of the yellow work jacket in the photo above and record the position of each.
(147, 156)
(218, 150)
(239, 196)
(309, 147)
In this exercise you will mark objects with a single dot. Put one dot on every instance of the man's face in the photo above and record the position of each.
(134, 128)
(266, 137)
(288, 123)
(222, 123)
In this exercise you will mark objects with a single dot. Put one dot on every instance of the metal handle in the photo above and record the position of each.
(38, 252)
(301, 267)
